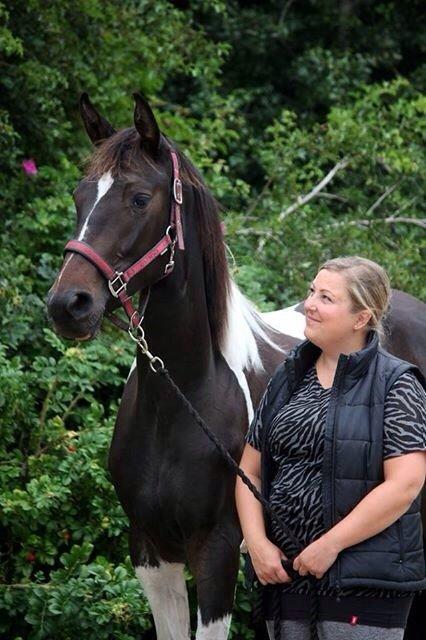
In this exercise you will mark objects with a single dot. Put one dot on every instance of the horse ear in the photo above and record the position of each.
(98, 129)
(146, 125)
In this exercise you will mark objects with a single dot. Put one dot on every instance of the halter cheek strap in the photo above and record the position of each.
(118, 280)
(175, 214)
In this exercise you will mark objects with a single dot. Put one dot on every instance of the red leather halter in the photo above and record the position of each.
(118, 280)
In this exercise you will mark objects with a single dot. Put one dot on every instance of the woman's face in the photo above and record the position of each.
(328, 308)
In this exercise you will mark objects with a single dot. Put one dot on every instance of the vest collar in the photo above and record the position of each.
(352, 366)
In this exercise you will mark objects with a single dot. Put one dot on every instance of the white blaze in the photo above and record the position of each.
(105, 182)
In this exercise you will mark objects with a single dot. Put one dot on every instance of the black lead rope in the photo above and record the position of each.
(284, 531)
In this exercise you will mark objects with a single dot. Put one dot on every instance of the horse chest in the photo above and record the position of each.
(164, 484)
(168, 476)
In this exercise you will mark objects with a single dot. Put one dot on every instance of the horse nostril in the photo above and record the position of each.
(80, 305)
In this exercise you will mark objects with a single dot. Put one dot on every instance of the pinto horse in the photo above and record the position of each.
(174, 487)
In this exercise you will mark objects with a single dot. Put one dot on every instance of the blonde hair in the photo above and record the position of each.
(367, 284)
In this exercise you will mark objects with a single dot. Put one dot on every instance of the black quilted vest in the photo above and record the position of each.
(353, 462)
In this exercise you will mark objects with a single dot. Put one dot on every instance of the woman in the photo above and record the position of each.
(339, 440)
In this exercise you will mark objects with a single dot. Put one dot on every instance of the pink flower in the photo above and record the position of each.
(29, 166)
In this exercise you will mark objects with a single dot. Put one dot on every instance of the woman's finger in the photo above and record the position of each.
(281, 575)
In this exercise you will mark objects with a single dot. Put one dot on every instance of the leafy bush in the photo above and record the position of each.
(266, 102)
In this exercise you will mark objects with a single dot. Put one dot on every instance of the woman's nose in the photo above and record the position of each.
(310, 303)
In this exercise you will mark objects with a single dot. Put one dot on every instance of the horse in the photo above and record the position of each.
(175, 489)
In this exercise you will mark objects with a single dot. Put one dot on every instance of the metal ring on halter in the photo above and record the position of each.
(139, 325)
(140, 341)
(158, 360)
(136, 333)
(143, 345)
(172, 242)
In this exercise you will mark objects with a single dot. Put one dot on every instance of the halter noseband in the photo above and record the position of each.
(118, 280)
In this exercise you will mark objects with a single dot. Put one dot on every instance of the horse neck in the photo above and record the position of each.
(176, 320)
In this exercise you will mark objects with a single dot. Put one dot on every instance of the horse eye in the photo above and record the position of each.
(140, 200)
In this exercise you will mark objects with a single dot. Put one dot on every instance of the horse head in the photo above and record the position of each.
(123, 209)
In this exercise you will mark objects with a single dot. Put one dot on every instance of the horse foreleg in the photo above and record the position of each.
(213, 630)
(214, 562)
(165, 588)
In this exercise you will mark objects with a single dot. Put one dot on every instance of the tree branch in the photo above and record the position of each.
(379, 201)
(301, 200)
(419, 222)
(332, 196)
(259, 232)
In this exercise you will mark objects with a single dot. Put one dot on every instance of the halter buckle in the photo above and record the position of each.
(122, 286)
(177, 191)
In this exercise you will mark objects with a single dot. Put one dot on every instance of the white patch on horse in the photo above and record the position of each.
(132, 368)
(239, 346)
(215, 630)
(61, 273)
(165, 588)
(287, 321)
(105, 182)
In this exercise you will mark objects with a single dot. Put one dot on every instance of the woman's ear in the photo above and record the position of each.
(362, 319)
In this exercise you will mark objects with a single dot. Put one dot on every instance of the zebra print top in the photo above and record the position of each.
(296, 442)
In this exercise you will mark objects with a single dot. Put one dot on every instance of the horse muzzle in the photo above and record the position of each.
(75, 314)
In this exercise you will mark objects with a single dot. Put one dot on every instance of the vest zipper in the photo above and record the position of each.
(337, 384)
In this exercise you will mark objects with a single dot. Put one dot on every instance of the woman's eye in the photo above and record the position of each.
(326, 298)
(140, 200)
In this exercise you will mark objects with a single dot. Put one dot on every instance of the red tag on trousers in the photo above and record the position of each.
(354, 620)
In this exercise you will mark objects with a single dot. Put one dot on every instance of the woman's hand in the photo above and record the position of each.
(266, 559)
(317, 558)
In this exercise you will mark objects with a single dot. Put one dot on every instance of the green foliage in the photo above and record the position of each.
(266, 98)
(85, 596)
(379, 138)
(55, 492)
